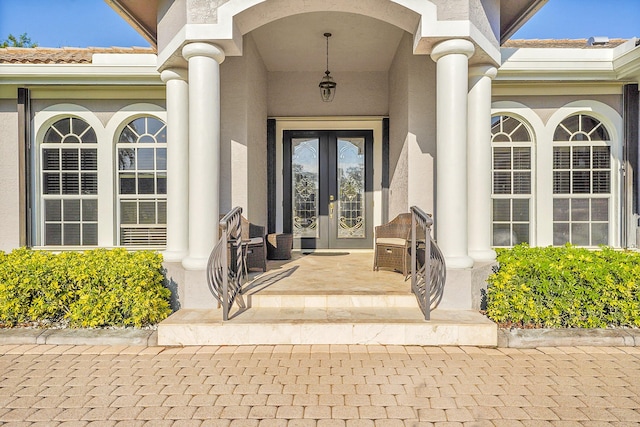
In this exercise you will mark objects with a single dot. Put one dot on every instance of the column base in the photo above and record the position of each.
(458, 262)
(193, 263)
(174, 256)
(483, 255)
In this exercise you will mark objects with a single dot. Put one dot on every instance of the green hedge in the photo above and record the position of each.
(565, 287)
(90, 289)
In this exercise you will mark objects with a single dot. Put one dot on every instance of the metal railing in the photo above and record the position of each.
(428, 269)
(224, 277)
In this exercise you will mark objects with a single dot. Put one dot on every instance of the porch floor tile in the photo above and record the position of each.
(327, 298)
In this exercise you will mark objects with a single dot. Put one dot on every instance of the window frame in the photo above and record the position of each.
(157, 198)
(532, 179)
(80, 146)
(42, 121)
(612, 121)
(572, 196)
(106, 135)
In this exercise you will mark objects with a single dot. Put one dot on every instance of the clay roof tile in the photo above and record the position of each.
(65, 55)
(560, 43)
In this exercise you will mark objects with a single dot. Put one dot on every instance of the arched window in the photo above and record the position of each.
(142, 182)
(581, 182)
(69, 184)
(512, 177)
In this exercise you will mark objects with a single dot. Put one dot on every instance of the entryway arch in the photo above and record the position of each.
(247, 15)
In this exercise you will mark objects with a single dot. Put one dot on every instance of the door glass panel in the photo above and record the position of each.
(351, 189)
(304, 184)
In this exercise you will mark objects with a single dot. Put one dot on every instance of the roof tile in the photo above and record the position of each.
(560, 43)
(65, 55)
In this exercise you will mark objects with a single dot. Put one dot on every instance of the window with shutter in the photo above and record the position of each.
(69, 184)
(512, 177)
(142, 182)
(581, 182)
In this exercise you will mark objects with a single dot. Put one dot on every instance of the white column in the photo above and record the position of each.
(177, 164)
(452, 74)
(204, 151)
(479, 162)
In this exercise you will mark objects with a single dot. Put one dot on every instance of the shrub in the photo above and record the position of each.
(565, 286)
(90, 289)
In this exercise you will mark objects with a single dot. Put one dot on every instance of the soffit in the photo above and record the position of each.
(514, 13)
(142, 15)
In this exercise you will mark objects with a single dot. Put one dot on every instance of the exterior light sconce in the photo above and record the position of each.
(327, 84)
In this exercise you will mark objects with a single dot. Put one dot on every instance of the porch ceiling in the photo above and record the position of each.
(358, 43)
(142, 15)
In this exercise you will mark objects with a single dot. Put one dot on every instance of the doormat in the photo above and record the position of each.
(325, 253)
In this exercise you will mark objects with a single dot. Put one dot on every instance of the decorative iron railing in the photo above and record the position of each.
(428, 269)
(225, 267)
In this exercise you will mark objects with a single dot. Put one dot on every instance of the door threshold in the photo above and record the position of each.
(332, 251)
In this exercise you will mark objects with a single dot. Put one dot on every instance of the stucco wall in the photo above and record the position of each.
(243, 86)
(484, 14)
(452, 10)
(103, 109)
(398, 129)
(233, 131)
(545, 106)
(412, 133)
(357, 94)
(422, 124)
(257, 136)
(172, 15)
(9, 190)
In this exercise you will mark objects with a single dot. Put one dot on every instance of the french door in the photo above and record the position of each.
(328, 182)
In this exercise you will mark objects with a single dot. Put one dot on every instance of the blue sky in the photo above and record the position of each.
(81, 23)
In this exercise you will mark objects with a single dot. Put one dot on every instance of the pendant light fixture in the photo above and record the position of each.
(327, 84)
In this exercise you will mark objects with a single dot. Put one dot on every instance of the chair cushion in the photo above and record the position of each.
(390, 241)
(255, 241)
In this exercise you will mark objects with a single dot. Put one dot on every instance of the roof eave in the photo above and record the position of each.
(149, 32)
(78, 74)
(145, 22)
(512, 25)
(553, 64)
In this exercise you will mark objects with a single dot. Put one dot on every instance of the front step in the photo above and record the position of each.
(274, 300)
(340, 325)
(330, 298)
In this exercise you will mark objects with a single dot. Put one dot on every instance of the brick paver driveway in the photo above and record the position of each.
(318, 386)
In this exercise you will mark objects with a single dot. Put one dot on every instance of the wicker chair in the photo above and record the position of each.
(254, 235)
(256, 251)
(392, 244)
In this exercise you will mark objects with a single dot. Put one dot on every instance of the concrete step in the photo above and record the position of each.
(371, 300)
(351, 325)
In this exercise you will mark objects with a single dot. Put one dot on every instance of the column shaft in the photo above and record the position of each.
(177, 165)
(479, 163)
(204, 151)
(452, 58)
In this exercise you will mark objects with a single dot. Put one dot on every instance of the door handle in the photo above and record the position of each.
(331, 198)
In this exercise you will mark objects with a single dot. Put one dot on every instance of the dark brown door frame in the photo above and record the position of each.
(328, 184)
(24, 166)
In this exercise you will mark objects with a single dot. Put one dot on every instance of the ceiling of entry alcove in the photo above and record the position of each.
(358, 43)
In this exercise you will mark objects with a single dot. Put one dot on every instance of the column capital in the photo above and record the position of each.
(483, 70)
(174, 74)
(203, 49)
(452, 46)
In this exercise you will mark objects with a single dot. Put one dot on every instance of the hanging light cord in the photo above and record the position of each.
(327, 35)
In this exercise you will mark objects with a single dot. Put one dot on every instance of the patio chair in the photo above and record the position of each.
(254, 237)
(392, 245)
